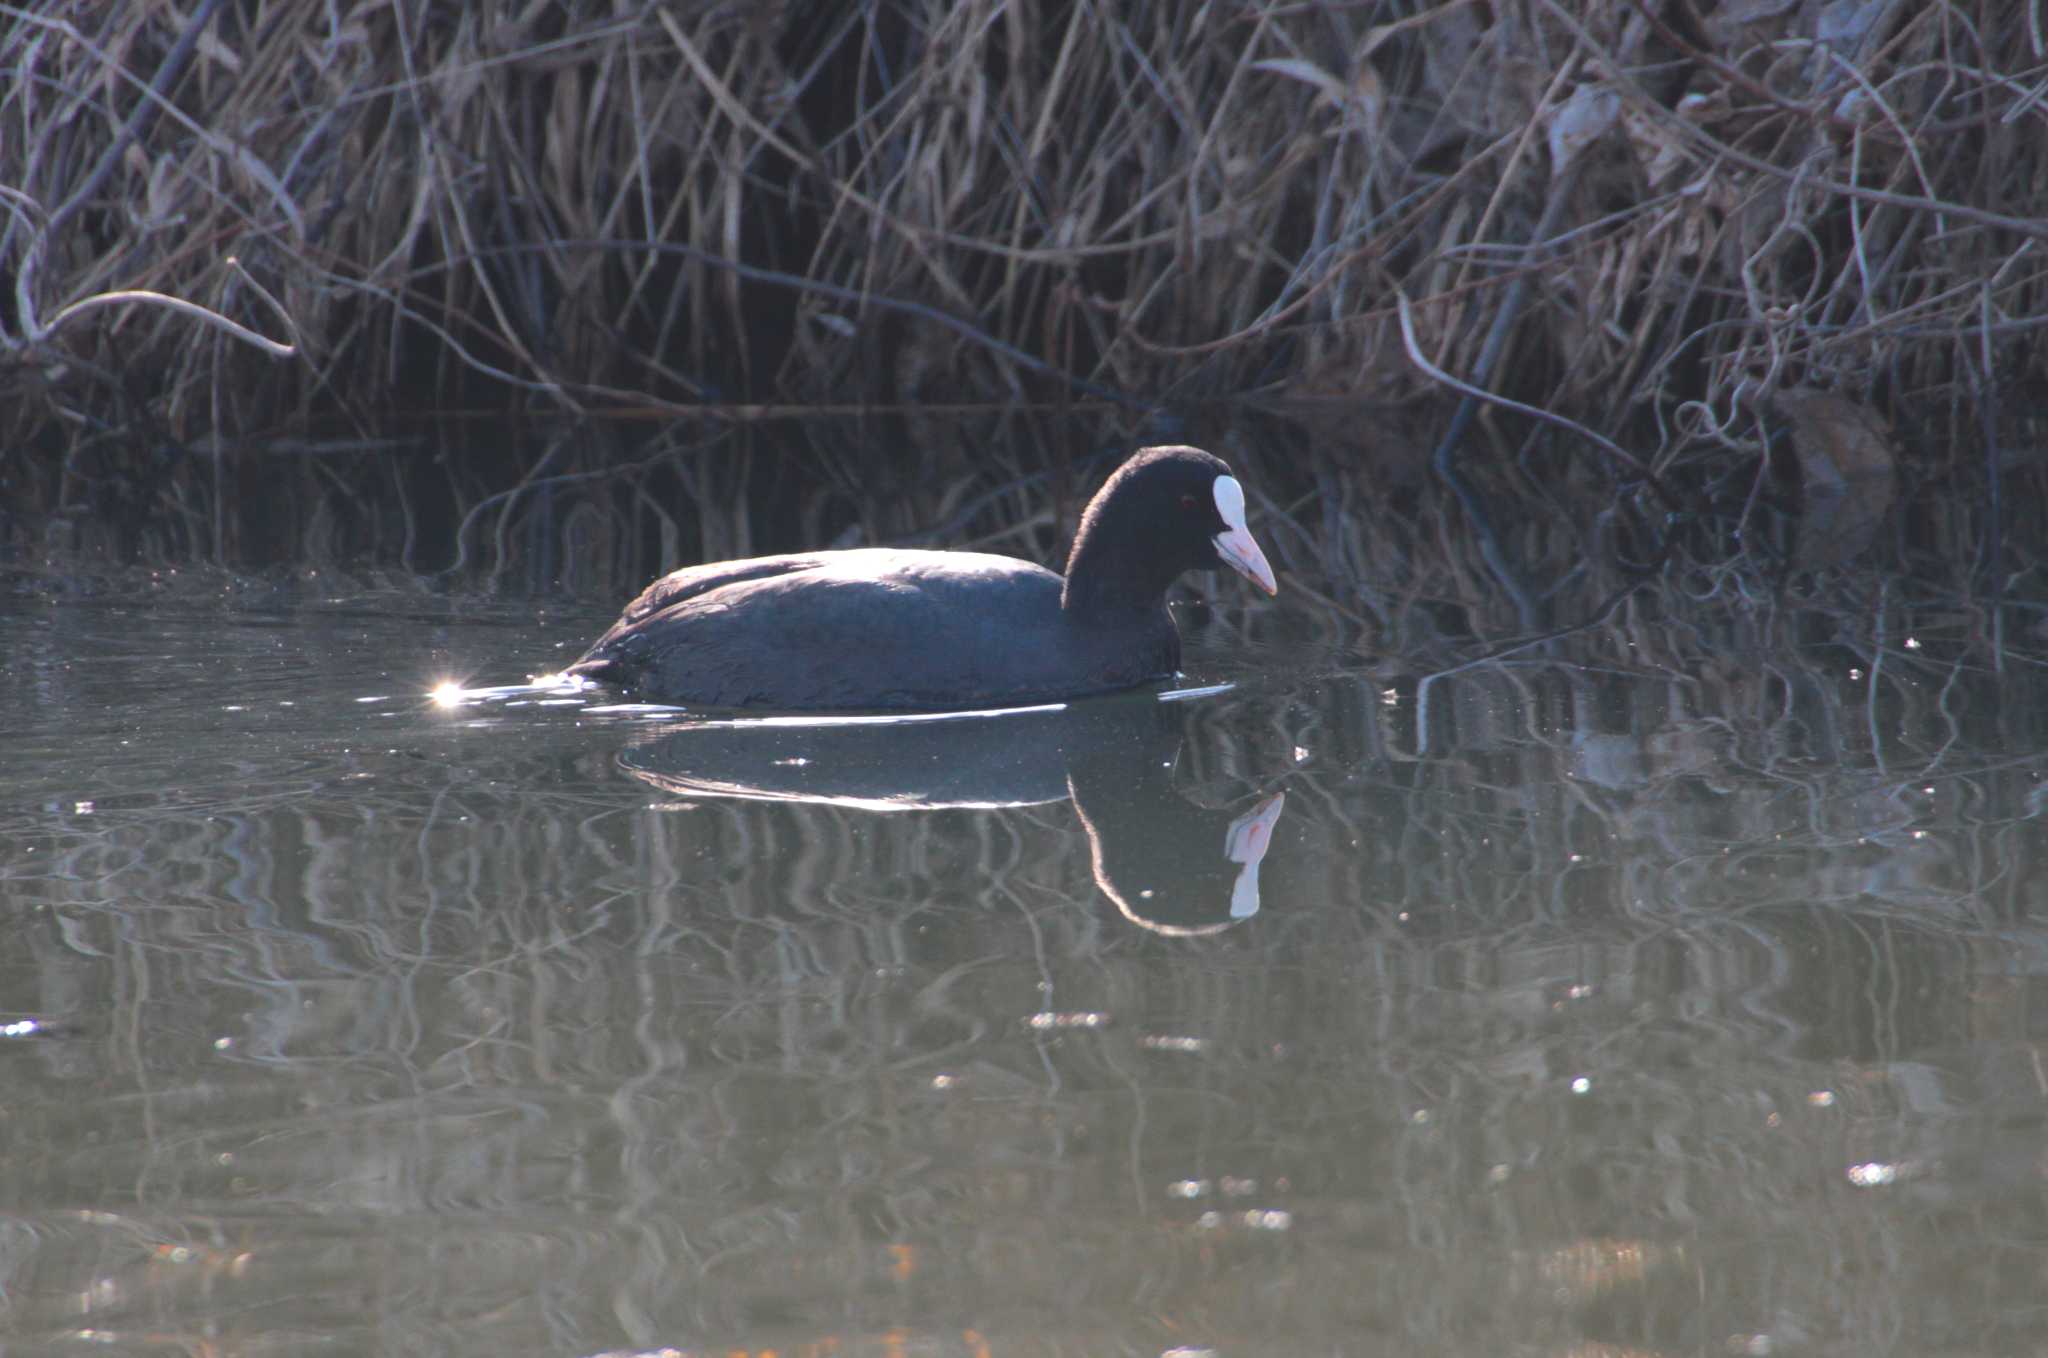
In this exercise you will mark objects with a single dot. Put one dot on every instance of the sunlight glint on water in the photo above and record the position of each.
(352, 1005)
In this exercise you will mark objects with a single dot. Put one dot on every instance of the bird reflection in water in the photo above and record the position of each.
(1167, 864)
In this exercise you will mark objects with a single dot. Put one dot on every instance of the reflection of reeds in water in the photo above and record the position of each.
(562, 1047)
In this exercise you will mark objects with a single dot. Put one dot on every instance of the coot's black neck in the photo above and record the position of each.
(1112, 577)
(1114, 608)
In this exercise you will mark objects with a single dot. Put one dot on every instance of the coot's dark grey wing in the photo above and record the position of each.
(619, 656)
(845, 630)
(693, 581)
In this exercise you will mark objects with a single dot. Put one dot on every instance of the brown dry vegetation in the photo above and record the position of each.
(1651, 217)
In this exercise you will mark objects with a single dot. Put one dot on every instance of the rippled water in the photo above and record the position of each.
(1602, 1003)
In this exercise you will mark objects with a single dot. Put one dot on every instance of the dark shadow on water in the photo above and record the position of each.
(1169, 865)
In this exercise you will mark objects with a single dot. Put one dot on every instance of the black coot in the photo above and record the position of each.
(882, 629)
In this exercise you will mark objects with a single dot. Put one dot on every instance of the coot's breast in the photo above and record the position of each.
(874, 629)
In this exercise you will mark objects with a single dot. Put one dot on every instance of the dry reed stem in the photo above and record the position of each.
(579, 209)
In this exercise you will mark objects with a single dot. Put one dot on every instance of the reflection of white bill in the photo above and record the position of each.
(1174, 895)
(1246, 842)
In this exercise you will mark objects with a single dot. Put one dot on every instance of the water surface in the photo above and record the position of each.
(1610, 1000)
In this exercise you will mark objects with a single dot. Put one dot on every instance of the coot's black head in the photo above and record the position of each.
(1166, 511)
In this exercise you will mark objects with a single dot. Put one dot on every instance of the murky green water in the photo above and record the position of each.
(1593, 1005)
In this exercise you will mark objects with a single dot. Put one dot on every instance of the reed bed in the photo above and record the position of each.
(1655, 223)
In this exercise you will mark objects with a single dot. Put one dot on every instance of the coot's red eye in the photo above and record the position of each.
(1188, 502)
